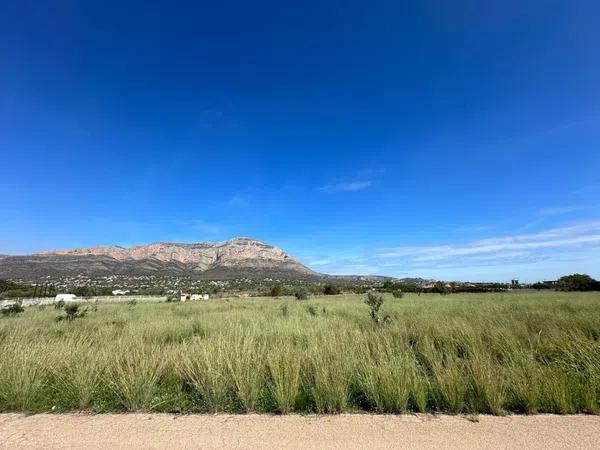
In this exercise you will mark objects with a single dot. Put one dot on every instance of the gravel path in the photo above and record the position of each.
(344, 431)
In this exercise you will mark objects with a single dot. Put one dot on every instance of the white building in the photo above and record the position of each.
(65, 298)
(120, 292)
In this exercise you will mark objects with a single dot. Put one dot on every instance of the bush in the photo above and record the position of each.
(83, 291)
(398, 293)
(442, 289)
(330, 289)
(72, 312)
(374, 302)
(276, 291)
(301, 295)
(540, 285)
(13, 309)
(578, 282)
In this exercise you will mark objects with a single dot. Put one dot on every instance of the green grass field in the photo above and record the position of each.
(520, 352)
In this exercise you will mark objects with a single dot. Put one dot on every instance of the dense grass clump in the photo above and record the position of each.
(520, 352)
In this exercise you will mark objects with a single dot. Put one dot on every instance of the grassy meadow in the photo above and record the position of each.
(517, 352)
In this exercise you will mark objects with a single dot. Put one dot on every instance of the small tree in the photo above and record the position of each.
(330, 289)
(276, 291)
(578, 282)
(374, 302)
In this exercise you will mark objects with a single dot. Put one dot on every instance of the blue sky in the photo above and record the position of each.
(445, 139)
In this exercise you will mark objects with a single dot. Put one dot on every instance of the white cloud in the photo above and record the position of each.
(348, 186)
(558, 210)
(544, 244)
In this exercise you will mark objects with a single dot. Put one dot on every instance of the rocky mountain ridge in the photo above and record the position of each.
(234, 258)
(203, 255)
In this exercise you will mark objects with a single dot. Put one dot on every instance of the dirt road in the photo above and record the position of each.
(295, 432)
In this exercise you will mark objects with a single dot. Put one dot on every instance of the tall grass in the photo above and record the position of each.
(284, 364)
(520, 352)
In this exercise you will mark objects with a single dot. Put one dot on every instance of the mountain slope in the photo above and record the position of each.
(235, 258)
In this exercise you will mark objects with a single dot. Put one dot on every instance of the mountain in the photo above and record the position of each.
(233, 259)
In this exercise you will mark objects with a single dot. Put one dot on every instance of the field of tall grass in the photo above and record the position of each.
(519, 352)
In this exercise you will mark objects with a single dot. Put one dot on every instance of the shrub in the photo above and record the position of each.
(398, 293)
(72, 312)
(301, 295)
(276, 291)
(374, 302)
(13, 309)
(330, 289)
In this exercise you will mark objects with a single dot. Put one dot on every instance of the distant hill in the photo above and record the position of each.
(233, 259)
(239, 257)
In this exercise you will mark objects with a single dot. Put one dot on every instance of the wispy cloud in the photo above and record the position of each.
(559, 210)
(319, 262)
(363, 179)
(550, 252)
(348, 186)
(548, 243)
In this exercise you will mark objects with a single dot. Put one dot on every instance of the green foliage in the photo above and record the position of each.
(442, 288)
(578, 282)
(331, 289)
(10, 290)
(12, 310)
(397, 293)
(539, 285)
(276, 290)
(374, 302)
(301, 295)
(72, 312)
(84, 291)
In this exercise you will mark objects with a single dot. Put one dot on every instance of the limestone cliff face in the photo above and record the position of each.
(198, 257)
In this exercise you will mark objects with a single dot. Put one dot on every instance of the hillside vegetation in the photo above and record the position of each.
(521, 352)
